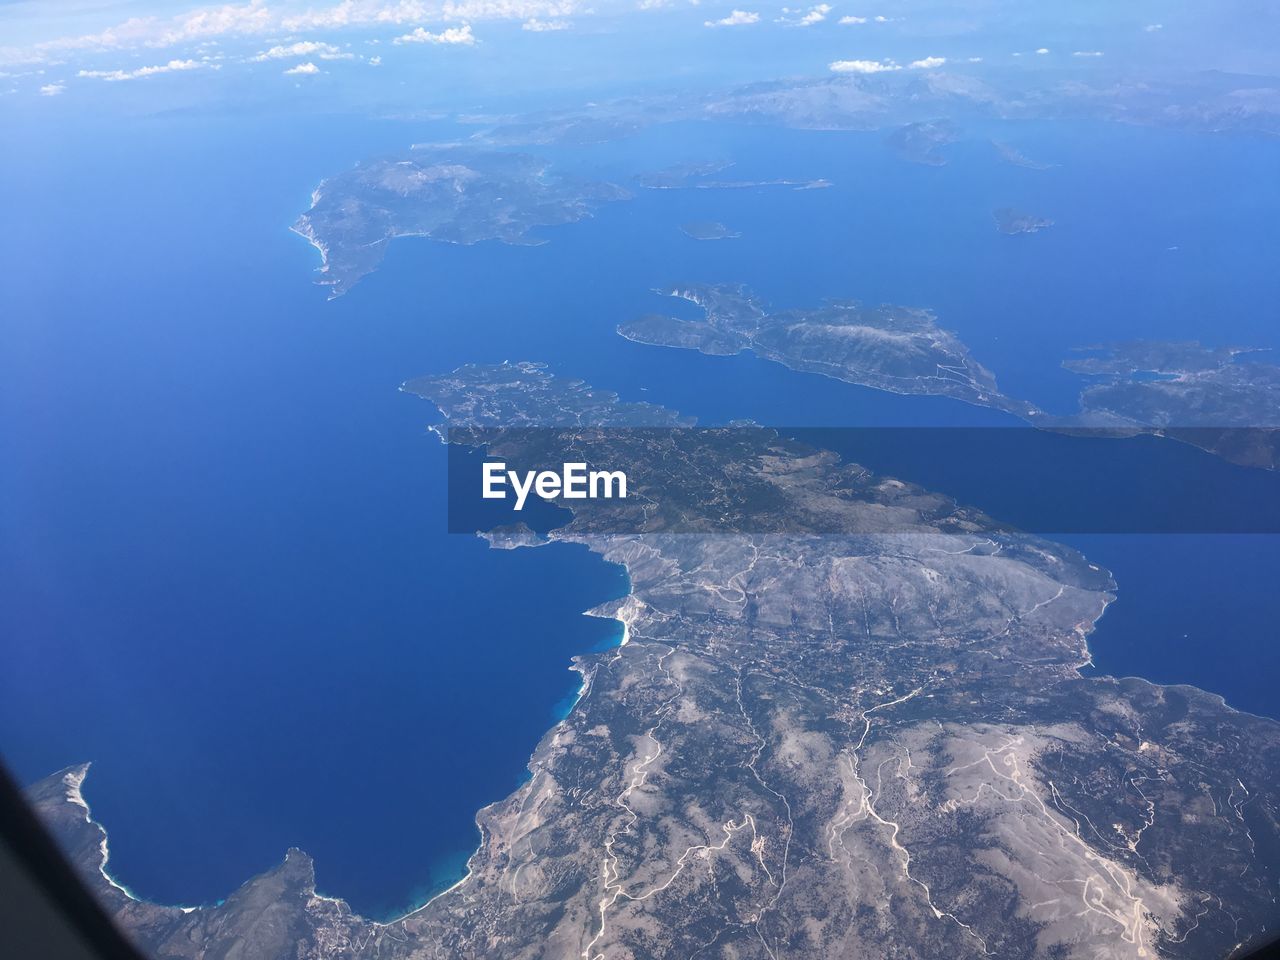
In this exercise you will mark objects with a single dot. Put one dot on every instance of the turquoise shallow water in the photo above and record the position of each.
(225, 578)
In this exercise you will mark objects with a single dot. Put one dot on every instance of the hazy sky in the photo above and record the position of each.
(61, 48)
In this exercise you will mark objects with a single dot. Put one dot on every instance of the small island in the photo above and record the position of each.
(887, 347)
(708, 230)
(1015, 157)
(702, 176)
(922, 142)
(1011, 222)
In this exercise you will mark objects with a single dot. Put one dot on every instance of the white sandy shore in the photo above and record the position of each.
(74, 781)
(626, 610)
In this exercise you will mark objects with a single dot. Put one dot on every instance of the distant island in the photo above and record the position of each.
(1012, 222)
(702, 176)
(1217, 399)
(679, 176)
(893, 348)
(912, 103)
(922, 142)
(446, 193)
(466, 194)
(708, 230)
(1015, 157)
(1222, 399)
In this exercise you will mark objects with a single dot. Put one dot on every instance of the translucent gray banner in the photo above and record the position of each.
(805, 480)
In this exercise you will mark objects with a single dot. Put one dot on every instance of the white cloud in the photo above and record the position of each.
(815, 15)
(848, 21)
(975, 59)
(927, 63)
(506, 9)
(1153, 27)
(302, 69)
(303, 48)
(375, 61)
(453, 35)
(1087, 53)
(173, 66)
(349, 13)
(219, 21)
(52, 89)
(195, 25)
(863, 66)
(534, 25)
(255, 17)
(736, 19)
(1042, 51)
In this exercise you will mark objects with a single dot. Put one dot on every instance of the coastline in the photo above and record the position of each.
(73, 779)
(626, 610)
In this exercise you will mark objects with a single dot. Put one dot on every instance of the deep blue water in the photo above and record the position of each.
(1192, 609)
(224, 576)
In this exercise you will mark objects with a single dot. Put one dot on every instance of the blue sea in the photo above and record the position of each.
(224, 576)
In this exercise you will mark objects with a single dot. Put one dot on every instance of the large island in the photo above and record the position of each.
(448, 193)
(872, 744)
